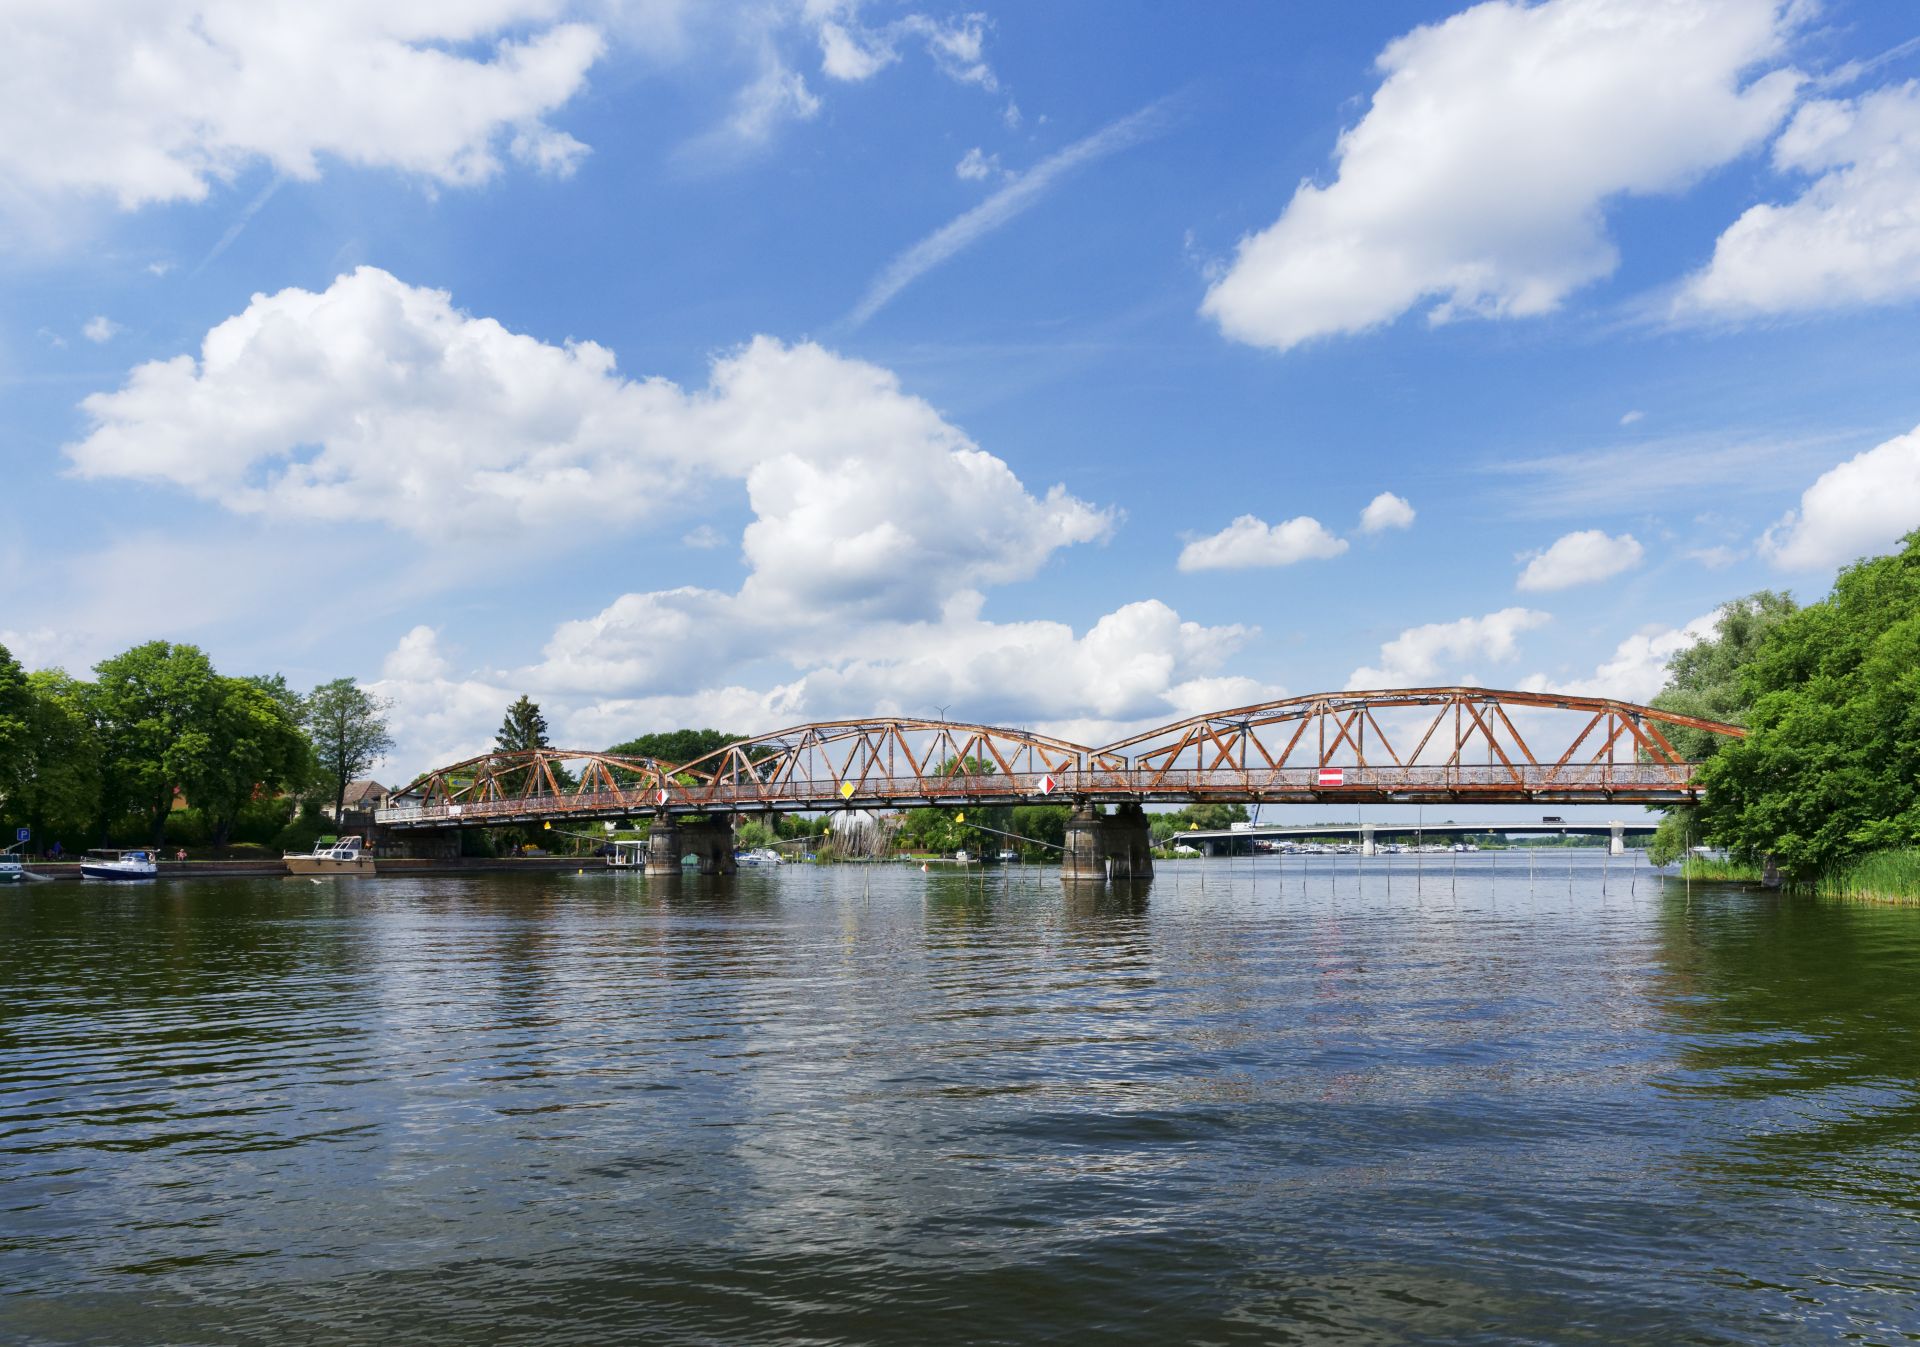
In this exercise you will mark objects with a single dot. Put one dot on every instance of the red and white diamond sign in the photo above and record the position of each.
(1047, 784)
(660, 796)
(1333, 776)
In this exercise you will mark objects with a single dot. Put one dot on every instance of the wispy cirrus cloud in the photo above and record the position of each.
(1713, 465)
(1017, 196)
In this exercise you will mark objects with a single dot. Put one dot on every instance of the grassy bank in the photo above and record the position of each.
(1883, 877)
(1720, 869)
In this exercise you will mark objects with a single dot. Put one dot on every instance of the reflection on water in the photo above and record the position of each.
(1499, 1098)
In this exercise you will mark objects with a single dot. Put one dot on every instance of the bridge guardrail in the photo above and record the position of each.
(1105, 785)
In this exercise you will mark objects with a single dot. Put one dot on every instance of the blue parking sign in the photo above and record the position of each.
(22, 834)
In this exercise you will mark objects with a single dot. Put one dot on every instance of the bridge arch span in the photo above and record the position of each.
(1441, 744)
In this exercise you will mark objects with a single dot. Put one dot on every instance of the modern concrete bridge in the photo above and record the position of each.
(1224, 841)
(1443, 745)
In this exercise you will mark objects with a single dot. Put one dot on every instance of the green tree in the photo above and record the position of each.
(523, 729)
(60, 770)
(156, 707)
(276, 687)
(16, 733)
(258, 747)
(348, 727)
(1042, 822)
(752, 834)
(1830, 769)
(1708, 680)
(677, 747)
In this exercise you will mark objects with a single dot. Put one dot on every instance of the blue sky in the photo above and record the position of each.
(747, 364)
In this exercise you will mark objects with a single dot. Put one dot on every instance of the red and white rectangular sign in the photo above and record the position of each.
(1333, 776)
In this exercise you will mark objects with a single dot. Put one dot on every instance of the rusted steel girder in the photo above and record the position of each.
(541, 777)
(1327, 747)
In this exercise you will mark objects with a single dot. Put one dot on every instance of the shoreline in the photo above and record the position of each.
(384, 868)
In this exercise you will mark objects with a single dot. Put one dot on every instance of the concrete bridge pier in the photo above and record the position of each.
(1101, 846)
(1367, 847)
(709, 841)
(1618, 845)
(663, 847)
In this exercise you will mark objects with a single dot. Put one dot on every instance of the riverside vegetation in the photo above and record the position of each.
(1827, 782)
(160, 748)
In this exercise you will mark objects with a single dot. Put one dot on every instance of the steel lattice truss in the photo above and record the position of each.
(1425, 744)
(544, 779)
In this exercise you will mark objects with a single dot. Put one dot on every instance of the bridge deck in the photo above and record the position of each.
(1636, 783)
(1404, 745)
(1577, 827)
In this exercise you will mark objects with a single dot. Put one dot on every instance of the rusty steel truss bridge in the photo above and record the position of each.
(1414, 745)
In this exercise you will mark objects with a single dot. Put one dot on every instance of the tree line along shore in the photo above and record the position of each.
(1824, 791)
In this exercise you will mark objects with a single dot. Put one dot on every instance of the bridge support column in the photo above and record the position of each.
(663, 847)
(708, 841)
(1102, 846)
(1367, 847)
(1618, 846)
(711, 843)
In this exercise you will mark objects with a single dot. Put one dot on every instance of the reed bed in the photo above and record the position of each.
(1882, 877)
(1721, 869)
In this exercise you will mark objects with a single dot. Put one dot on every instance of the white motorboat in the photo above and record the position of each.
(344, 856)
(104, 864)
(13, 870)
(629, 853)
(758, 856)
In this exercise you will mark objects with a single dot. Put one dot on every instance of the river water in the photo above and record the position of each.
(1327, 1100)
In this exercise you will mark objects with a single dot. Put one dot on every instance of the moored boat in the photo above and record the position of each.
(12, 869)
(343, 856)
(105, 864)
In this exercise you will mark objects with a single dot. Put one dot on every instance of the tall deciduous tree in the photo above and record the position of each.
(16, 706)
(1831, 766)
(678, 747)
(1708, 680)
(60, 767)
(258, 745)
(348, 726)
(156, 707)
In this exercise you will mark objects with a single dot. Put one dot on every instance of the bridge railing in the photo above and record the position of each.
(1107, 785)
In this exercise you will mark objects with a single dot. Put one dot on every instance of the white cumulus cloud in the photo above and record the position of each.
(1479, 176)
(1637, 669)
(101, 329)
(1386, 511)
(976, 166)
(618, 673)
(417, 657)
(1418, 656)
(853, 51)
(374, 400)
(1250, 541)
(1581, 558)
(1852, 510)
(155, 101)
(1851, 238)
